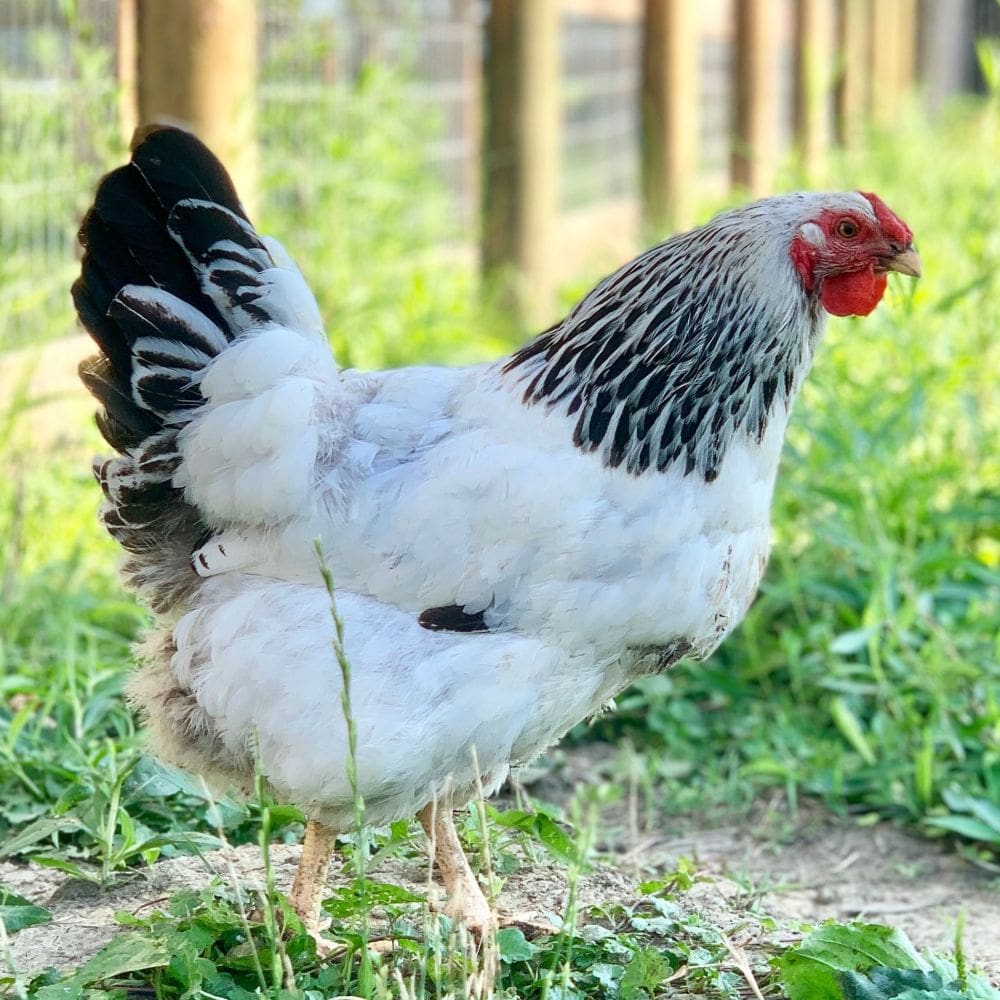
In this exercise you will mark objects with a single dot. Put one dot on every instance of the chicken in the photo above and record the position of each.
(512, 543)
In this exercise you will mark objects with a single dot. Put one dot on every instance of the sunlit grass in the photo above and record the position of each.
(873, 645)
(866, 674)
(867, 671)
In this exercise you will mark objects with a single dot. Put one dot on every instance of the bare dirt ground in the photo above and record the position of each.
(877, 873)
(828, 870)
(806, 868)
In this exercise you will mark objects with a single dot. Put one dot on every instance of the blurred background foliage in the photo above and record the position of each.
(868, 671)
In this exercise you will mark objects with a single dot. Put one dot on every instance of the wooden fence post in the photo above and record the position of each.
(755, 126)
(127, 59)
(197, 68)
(907, 69)
(521, 148)
(894, 28)
(854, 58)
(883, 97)
(669, 95)
(945, 46)
(472, 109)
(814, 33)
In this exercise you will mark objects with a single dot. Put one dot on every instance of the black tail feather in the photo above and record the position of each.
(128, 425)
(203, 227)
(137, 284)
(177, 166)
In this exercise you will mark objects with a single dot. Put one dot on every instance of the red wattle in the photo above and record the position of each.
(854, 294)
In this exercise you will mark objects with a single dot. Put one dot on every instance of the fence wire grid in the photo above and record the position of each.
(384, 98)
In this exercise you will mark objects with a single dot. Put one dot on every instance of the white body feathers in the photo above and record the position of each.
(430, 487)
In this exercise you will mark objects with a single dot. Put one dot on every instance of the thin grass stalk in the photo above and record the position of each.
(573, 873)
(111, 819)
(216, 816)
(489, 955)
(961, 963)
(365, 972)
(267, 896)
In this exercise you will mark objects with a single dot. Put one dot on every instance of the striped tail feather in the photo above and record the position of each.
(172, 274)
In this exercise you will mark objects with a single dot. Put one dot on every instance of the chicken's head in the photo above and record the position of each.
(845, 252)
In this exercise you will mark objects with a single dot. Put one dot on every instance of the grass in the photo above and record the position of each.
(866, 675)
(867, 672)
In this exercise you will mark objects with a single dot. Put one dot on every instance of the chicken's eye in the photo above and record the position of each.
(847, 229)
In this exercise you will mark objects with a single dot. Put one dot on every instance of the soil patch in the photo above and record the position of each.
(839, 871)
(827, 870)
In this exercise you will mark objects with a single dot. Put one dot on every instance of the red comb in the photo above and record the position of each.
(892, 225)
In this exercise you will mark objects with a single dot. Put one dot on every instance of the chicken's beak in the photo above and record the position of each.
(907, 262)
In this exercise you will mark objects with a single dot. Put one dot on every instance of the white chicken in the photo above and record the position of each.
(512, 544)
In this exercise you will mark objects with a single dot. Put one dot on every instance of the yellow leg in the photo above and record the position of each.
(307, 889)
(466, 901)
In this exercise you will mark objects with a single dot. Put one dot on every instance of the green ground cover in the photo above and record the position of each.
(867, 675)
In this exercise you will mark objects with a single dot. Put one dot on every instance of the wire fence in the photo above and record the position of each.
(600, 109)
(369, 94)
(358, 105)
(375, 96)
(344, 62)
(58, 131)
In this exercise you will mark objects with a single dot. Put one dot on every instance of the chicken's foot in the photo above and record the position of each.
(310, 878)
(466, 901)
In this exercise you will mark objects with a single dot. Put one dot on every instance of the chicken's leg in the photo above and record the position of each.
(307, 889)
(466, 901)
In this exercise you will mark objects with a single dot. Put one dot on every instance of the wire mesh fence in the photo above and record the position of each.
(369, 124)
(367, 116)
(384, 99)
(325, 70)
(600, 109)
(58, 131)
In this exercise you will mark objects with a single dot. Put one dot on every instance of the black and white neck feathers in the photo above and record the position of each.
(692, 343)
